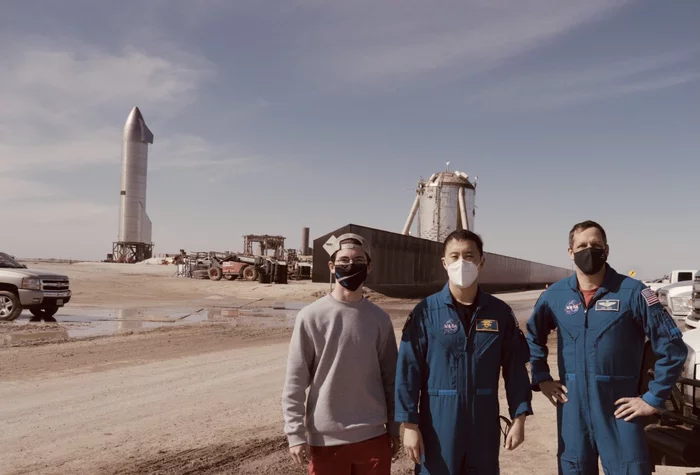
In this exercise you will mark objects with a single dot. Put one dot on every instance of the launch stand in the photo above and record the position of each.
(131, 252)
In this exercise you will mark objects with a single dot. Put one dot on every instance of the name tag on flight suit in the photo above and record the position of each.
(484, 325)
(607, 305)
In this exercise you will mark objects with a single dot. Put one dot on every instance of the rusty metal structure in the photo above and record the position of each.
(267, 243)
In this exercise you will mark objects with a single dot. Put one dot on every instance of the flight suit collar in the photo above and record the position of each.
(608, 280)
(447, 299)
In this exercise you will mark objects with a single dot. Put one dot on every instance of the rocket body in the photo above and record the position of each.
(134, 224)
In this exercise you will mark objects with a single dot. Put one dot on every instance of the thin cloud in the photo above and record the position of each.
(473, 38)
(551, 89)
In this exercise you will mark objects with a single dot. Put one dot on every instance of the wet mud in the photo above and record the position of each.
(87, 323)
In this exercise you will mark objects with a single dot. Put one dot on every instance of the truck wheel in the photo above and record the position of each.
(10, 308)
(250, 273)
(215, 273)
(44, 313)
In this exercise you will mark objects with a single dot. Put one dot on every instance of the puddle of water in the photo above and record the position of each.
(81, 322)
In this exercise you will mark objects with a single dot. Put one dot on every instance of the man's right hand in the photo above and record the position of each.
(554, 391)
(413, 442)
(300, 453)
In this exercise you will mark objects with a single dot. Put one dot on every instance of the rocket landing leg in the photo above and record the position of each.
(131, 252)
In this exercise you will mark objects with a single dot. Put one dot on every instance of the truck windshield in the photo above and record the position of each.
(6, 261)
(685, 276)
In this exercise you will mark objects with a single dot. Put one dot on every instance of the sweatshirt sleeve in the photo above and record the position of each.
(387, 360)
(299, 365)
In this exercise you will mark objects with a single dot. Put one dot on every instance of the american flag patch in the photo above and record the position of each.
(650, 296)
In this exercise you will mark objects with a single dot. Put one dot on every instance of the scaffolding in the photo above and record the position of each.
(267, 243)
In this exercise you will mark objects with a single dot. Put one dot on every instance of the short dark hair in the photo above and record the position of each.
(464, 235)
(582, 226)
(351, 241)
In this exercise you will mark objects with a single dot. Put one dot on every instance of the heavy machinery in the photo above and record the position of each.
(227, 265)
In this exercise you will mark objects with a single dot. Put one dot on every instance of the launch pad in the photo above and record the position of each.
(131, 252)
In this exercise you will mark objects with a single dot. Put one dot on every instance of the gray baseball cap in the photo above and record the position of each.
(339, 244)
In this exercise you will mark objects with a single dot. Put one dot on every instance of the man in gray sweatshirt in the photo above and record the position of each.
(344, 351)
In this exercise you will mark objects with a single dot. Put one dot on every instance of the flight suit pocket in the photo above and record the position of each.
(628, 436)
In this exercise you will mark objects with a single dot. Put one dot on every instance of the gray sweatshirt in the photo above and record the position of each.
(345, 354)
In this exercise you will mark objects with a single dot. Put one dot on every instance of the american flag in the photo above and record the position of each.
(650, 296)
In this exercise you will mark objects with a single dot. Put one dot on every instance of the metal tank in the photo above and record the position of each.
(444, 203)
(134, 239)
(305, 251)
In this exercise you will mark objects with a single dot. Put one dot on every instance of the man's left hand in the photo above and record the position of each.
(632, 407)
(516, 434)
(395, 446)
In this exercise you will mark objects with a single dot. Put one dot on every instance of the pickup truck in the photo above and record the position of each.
(675, 277)
(693, 320)
(677, 299)
(42, 293)
(673, 435)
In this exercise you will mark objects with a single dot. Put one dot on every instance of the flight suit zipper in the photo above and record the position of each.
(585, 354)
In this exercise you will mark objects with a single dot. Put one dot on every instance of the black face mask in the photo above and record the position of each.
(590, 260)
(351, 276)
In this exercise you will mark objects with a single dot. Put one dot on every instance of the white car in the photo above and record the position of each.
(693, 320)
(677, 299)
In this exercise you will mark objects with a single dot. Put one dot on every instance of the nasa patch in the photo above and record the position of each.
(572, 307)
(450, 327)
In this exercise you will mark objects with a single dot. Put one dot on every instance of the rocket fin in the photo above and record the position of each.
(146, 134)
(146, 227)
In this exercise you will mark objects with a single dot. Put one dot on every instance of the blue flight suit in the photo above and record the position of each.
(599, 356)
(447, 381)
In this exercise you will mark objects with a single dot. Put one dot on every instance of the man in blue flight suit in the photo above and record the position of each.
(602, 320)
(453, 347)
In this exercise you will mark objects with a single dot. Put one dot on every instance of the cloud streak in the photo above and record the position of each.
(552, 89)
(421, 39)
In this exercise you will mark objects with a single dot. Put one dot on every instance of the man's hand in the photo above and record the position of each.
(413, 442)
(633, 407)
(554, 391)
(516, 434)
(300, 453)
(395, 446)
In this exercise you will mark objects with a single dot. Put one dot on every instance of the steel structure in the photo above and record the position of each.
(444, 203)
(134, 239)
(267, 243)
(305, 251)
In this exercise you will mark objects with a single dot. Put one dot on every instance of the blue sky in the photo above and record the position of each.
(269, 116)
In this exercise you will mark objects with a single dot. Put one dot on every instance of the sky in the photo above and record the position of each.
(269, 116)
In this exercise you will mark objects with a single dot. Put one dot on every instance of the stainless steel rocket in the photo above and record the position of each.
(134, 224)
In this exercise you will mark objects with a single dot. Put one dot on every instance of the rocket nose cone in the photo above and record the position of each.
(136, 129)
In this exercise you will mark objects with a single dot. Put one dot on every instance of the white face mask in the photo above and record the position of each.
(462, 273)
